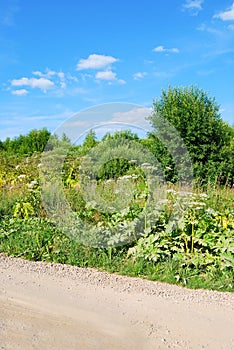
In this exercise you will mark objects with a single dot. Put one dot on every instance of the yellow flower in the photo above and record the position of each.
(225, 222)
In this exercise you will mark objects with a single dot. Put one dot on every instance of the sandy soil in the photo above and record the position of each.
(52, 306)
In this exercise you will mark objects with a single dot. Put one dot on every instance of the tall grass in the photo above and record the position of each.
(188, 239)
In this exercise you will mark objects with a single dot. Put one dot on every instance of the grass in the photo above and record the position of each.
(38, 239)
(199, 253)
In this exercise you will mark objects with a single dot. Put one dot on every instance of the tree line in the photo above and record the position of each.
(190, 111)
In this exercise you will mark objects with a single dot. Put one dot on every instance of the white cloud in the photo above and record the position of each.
(231, 26)
(38, 73)
(219, 52)
(63, 85)
(148, 62)
(61, 75)
(71, 77)
(226, 15)
(193, 6)
(95, 61)
(49, 73)
(21, 92)
(159, 49)
(41, 83)
(109, 76)
(136, 117)
(106, 75)
(163, 49)
(203, 27)
(163, 75)
(22, 122)
(85, 77)
(139, 75)
(121, 81)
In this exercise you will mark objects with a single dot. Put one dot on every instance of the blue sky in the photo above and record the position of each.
(60, 57)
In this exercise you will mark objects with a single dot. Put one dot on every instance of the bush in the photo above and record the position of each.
(195, 115)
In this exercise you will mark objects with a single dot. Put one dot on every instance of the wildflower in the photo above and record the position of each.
(184, 193)
(39, 165)
(134, 176)
(17, 167)
(203, 195)
(162, 201)
(32, 184)
(170, 190)
(125, 177)
(108, 181)
(211, 211)
(22, 176)
(197, 203)
(145, 164)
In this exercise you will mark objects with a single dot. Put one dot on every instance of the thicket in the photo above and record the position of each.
(209, 140)
(129, 211)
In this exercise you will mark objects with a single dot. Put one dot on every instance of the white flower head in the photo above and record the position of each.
(22, 176)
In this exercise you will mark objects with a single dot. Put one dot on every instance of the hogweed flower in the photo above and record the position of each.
(32, 184)
(22, 176)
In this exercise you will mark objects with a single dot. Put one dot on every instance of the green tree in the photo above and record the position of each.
(37, 139)
(119, 166)
(90, 140)
(195, 115)
(2, 146)
(121, 134)
(34, 141)
(156, 146)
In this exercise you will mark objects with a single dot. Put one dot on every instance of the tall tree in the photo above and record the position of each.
(90, 140)
(195, 115)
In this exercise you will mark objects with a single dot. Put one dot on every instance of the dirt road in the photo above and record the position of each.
(52, 306)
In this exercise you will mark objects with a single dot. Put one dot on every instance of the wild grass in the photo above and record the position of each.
(188, 239)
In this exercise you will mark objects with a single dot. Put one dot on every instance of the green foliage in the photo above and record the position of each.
(154, 145)
(141, 226)
(23, 210)
(200, 241)
(196, 117)
(118, 166)
(35, 141)
(38, 239)
(115, 168)
(90, 140)
(33, 238)
(122, 134)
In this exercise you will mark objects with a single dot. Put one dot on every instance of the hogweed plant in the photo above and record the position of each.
(189, 232)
